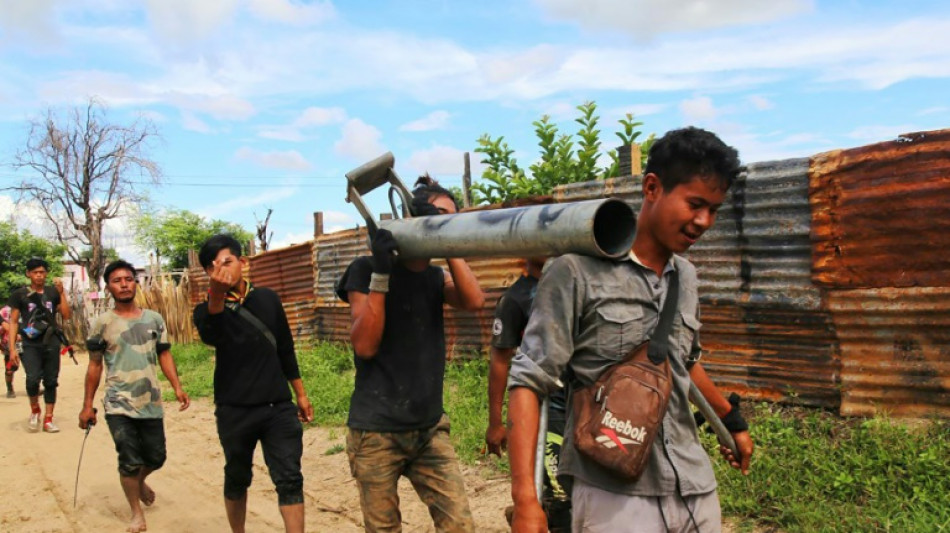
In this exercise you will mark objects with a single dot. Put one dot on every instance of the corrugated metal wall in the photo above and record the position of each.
(881, 245)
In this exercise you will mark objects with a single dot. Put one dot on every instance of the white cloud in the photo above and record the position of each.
(647, 18)
(31, 21)
(290, 238)
(268, 197)
(698, 110)
(192, 123)
(320, 116)
(282, 160)
(435, 120)
(293, 13)
(359, 141)
(933, 110)
(220, 106)
(182, 21)
(760, 102)
(438, 161)
(312, 117)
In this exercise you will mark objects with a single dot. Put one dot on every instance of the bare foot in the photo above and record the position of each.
(137, 524)
(147, 495)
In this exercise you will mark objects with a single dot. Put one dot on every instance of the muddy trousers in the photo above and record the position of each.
(426, 457)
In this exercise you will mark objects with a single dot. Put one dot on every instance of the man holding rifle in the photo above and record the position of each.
(397, 425)
(34, 309)
(589, 313)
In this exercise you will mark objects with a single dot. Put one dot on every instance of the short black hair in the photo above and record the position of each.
(117, 265)
(682, 154)
(426, 187)
(209, 250)
(36, 262)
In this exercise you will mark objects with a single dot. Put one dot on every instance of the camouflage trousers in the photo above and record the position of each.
(426, 457)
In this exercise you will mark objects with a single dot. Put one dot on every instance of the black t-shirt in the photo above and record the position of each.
(511, 318)
(248, 370)
(32, 318)
(400, 389)
(512, 312)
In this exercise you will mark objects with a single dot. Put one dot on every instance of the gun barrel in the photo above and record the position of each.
(603, 228)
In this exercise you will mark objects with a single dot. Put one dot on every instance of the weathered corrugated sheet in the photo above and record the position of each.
(773, 230)
(882, 214)
(895, 350)
(773, 353)
(289, 272)
(333, 252)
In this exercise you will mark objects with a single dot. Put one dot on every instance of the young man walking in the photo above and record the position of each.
(589, 313)
(254, 362)
(130, 342)
(33, 309)
(511, 317)
(397, 425)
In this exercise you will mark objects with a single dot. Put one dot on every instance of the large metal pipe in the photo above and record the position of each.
(603, 228)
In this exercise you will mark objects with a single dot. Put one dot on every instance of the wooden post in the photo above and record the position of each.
(251, 248)
(317, 223)
(467, 182)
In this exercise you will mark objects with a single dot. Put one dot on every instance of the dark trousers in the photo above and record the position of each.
(139, 442)
(280, 433)
(41, 363)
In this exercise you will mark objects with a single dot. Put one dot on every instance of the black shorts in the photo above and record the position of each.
(280, 433)
(140, 442)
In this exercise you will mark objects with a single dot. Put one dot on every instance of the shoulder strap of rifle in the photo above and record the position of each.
(660, 340)
(256, 322)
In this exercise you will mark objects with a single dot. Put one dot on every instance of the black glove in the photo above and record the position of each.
(384, 247)
(422, 208)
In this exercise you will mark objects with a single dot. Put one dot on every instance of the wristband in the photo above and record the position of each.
(379, 282)
(733, 419)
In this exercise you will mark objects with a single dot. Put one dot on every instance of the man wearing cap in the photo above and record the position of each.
(34, 309)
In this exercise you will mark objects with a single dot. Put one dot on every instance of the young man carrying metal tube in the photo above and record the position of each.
(589, 313)
(397, 424)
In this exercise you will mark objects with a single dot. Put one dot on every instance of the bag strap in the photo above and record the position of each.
(659, 347)
(256, 322)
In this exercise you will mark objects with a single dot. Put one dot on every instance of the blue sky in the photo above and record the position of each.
(267, 103)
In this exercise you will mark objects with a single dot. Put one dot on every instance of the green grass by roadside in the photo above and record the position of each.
(812, 470)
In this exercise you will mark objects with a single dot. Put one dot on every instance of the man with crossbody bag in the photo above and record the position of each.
(254, 362)
(589, 316)
(33, 309)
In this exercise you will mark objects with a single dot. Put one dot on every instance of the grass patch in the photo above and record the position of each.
(812, 470)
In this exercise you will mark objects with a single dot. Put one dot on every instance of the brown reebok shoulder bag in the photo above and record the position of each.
(618, 416)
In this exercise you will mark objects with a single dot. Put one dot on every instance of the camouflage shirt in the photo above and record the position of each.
(130, 357)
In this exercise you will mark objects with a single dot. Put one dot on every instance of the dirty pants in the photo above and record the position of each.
(426, 457)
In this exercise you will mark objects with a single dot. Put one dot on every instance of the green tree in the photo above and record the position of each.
(563, 158)
(18, 247)
(171, 234)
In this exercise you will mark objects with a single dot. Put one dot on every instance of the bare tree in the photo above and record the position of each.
(84, 170)
(263, 238)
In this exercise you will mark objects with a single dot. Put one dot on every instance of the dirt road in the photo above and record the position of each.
(38, 470)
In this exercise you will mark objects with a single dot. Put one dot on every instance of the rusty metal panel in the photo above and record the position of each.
(772, 353)
(288, 272)
(895, 350)
(774, 225)
(333, 252)
(882, 214)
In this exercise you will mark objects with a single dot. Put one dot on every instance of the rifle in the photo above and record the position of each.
(67, 347)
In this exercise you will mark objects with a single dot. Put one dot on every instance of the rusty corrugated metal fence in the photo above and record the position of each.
(825, 280)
